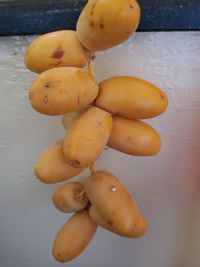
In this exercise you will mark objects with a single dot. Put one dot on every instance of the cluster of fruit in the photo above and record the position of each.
(95, 115)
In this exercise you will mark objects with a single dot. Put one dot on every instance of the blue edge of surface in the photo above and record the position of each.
(21, 18)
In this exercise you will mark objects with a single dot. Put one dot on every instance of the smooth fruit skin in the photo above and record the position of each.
(134, 137)
(139, 231)
(51, 166)
(87, 137)
(131, 97)
(104, 24)
(61, 90)
(55, 49)
(112, 201)
(73, 237)
(70, 197)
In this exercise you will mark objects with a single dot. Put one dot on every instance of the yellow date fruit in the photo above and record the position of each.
(61, 90)
(104, 24)
(134, 137)
(70, 197)
(51, 166)
(73, 237)
(139, 230)
(87, 136)
(131, 98)
(55, 49)
(112, 201)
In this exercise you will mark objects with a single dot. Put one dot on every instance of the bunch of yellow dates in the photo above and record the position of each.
(95, 116)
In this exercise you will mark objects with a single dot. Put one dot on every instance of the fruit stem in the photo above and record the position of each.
(81, 193)
(93, 168)
(91, 63)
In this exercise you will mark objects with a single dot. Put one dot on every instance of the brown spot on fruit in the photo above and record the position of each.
(131, 6)
(45, 99)
(162, 97)
(93, 8)
(58, 54)
(110, 222)
(101, 25)
(98, 122)
(47, 85)
(92, 24)
(128, 139)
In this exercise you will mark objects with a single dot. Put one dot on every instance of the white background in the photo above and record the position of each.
(166, 187)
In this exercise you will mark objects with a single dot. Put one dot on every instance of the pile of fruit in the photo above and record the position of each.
(95, 116)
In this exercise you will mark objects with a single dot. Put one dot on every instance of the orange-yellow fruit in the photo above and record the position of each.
(113, 202)
(70, 197)
(61, 90)
(139, 230)
(131, 98)
(55, 49)
(73, 237)
(51, 166)
(104, 24)
(134, 137)
(87, 136)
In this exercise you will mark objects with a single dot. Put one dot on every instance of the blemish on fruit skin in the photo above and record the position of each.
(45, 99)
(113, 188)
(92, 24)
(131, 6)
(162, 97)
(58, 54)
(101, 25)
(93, 8)
(128, 139)
(110, 222)
(47, 85)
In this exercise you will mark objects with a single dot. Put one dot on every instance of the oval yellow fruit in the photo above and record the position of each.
(73, 237)
(61, 90)
(104, 24)
(139, 231)
(55, 49)
(134, 137)
(51, 166)
(70, 197)
(131, 98)
(112, 202)
(87, 136)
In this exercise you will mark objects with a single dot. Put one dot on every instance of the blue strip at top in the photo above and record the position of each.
(20, 17)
